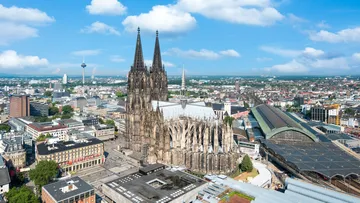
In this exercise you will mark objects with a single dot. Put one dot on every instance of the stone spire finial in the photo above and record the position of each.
(157, 62)
(139, 58)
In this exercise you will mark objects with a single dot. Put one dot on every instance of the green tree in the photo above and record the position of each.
(48, 93)
(110, 122)
(67, 109)
(246, 164)
(43, 173)
(43, 137)
(21, 195)
(53, 110)
(228, 120)
(119, 94)
(66, 116)
(5, 127)
(101, 121)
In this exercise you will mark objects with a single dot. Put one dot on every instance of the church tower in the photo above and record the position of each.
(138, 99)
(158, 78)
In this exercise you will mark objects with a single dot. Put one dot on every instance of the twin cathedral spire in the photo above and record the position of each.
(145, 84)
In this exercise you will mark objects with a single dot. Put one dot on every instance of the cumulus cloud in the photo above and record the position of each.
(290, 67)
(27, 15)
(165, 63)
(177, 18)
(10, 59)
(202, 53)
(356, 56)
(311, 59)
(106, 7)
(20, 23)
(166, 19)
(102, 28)
(346, 35)
(255, 12)
(88, 52)
(309, 51)
(15, 32)
(230, 52)
(117, 59)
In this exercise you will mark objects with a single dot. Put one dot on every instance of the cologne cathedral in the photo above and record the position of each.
(180, 133)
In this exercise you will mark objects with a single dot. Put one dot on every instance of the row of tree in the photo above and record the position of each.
(43, 174)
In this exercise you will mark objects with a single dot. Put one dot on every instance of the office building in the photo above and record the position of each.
(39, 109)
(104, 132)
(65, 79)
(298, 100)
(72, 155)
(19, 106)
(53, 128)
(90, 121)
(73, 190)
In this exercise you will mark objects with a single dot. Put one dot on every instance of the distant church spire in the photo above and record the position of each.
(183, 87)
(157, 63)
(139, 58)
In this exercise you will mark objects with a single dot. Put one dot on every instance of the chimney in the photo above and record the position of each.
(70, 187)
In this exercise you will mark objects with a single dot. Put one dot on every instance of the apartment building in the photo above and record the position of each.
(72, 155)
(54, 129)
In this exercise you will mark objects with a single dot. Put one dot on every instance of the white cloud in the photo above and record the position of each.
(251, 12)
(13, 32)
(323, 25)
(295, 19)
(309, 51)
(202, 53)
(165, 63)
(166, 19)
(333, 63)
(89, 52)
(356, 56)
(117, 58)
(27, 15)
(102, 28)
(230, 52)
(280, 51)
(263, 59)
(106, 7)
(291, 67)
(346, 35)
(11, 60)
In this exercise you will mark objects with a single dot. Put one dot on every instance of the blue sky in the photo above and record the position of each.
(208, 37)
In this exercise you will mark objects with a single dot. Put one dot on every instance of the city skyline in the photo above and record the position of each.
(43, 40)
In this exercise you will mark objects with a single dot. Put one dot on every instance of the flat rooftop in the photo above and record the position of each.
(60, 190)
(46, 149)
(46, 126)
(160, 186)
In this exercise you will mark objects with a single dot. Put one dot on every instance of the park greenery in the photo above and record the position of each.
(246, 164)
(43, 137)
(48, 93)
(44, 173)
(21, 195)
(5, 127)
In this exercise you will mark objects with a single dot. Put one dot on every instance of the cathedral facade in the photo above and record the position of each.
(181, 133)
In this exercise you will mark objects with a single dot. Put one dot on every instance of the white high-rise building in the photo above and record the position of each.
(65, 79)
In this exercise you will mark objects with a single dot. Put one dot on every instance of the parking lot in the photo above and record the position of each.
(116, 165)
